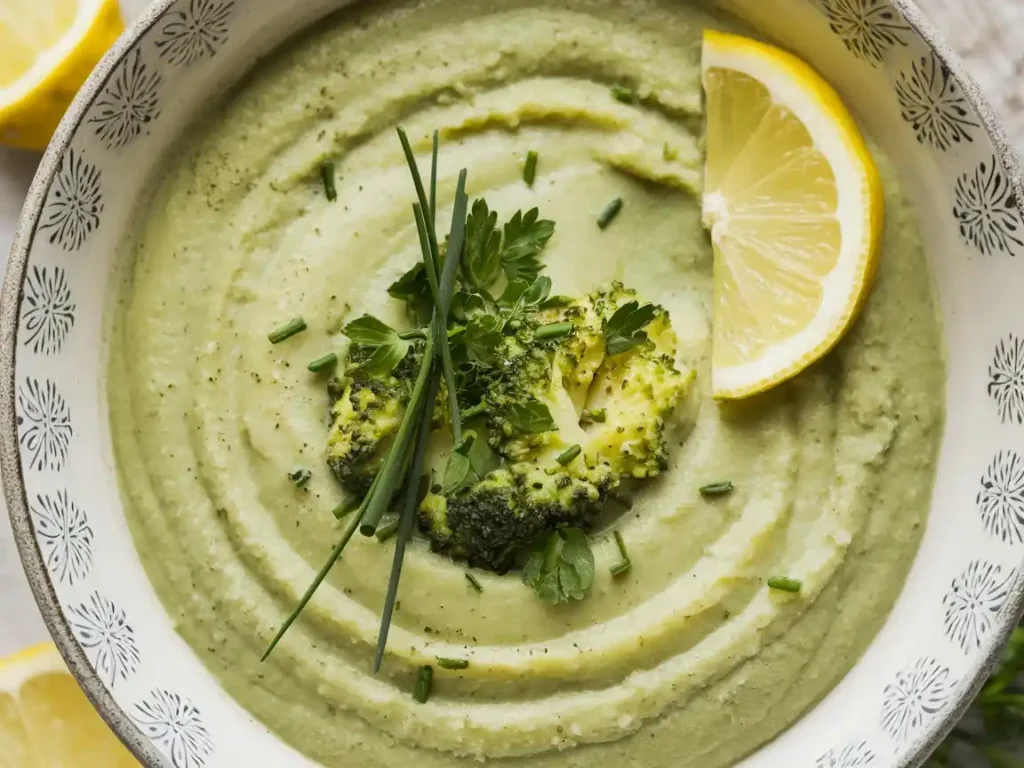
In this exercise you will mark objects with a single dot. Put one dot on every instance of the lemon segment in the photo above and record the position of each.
(794, 205)
(47, 49)
(45, 719)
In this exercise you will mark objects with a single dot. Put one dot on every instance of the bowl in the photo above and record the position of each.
(964, 594)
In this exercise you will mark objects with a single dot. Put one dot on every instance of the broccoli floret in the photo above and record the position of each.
(564, 474)
(365, 417)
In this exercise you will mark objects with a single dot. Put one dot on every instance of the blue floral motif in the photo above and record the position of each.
(914, 698)
(64, 535)
(73, 210)
(853, 755)
(868, 28)
(1001, 497)
(44, 424)
(47, 312)
(196, 32)
(128, 103)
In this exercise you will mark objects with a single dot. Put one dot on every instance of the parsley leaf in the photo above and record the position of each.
(481, 258)
(624, 330)
(525, 237)
(482, 337)
(530, 416)
(560, 565)
(388, 349)
(414, 289)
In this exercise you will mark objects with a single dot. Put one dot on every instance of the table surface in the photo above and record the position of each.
(983, 31)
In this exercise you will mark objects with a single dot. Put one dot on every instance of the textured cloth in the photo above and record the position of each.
(987, 34)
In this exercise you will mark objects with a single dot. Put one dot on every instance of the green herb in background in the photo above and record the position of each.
(624, 94)
(785, 584)
(323, 363)
(992, 733)
(453, 663)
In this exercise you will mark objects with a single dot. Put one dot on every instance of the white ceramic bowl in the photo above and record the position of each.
(964, 594)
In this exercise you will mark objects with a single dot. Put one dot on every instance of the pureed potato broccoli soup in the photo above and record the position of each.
(588, 579)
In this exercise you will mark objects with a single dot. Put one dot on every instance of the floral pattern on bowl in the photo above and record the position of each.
(58, 475)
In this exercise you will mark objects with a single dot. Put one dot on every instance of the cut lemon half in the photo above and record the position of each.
(794, 205)
(45, 719)
(47, 49)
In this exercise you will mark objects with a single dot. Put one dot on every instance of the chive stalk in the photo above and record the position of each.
(286, 331)
(553, 331)
(624, 564)
(474, 582)
(424, 679)
(716, 489)
(785, 584)
(623, 93)
(387, 530)
(609, 213)
(452, 663)
(327, 177)
(323, 363)
(530, 169)
(570, 453)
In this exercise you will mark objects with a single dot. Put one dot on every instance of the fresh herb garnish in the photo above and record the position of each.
(323, 363)
(452, 663)
(624, 330)
(554, 302)
(530, 169)
(716, 489)
(624, 94)
(530, 416)
(286, 331)
(525, 236)
(570, 453)
(414, 289)
(327, 177)
(560, 566)
(424, 678)
(785, 584)
(623, 566)
(474, 582)
(402, 465)
(300, 477)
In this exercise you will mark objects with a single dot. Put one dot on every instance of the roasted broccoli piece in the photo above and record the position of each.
(571, 424)
(365, 415)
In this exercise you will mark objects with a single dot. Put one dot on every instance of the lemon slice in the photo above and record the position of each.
(45, 719)
(794, 205)
(47, 49)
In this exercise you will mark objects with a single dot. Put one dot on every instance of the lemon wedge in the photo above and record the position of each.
(47, 49)
(45, 719)
(794, 205)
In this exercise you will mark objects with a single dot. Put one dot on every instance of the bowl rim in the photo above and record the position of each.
(10, 464)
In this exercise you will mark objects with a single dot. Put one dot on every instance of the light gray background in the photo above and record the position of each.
(985, 32)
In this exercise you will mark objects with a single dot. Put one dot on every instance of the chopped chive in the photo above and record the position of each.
(569, 454)
(553, 331)
(597, 415)
(388, 530)
(530, 169)
(452, 663)
(286, 331)
(327, 177)
(609, 213)
(785, 584)
(623, 93)
(323, 363)
(347, 505)
(716, 489)
(621, 568)
(474, 582)
(625, 563)
(300, 477)
(556, 301)
(474, 410)
(668, 153)
(424, 678)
